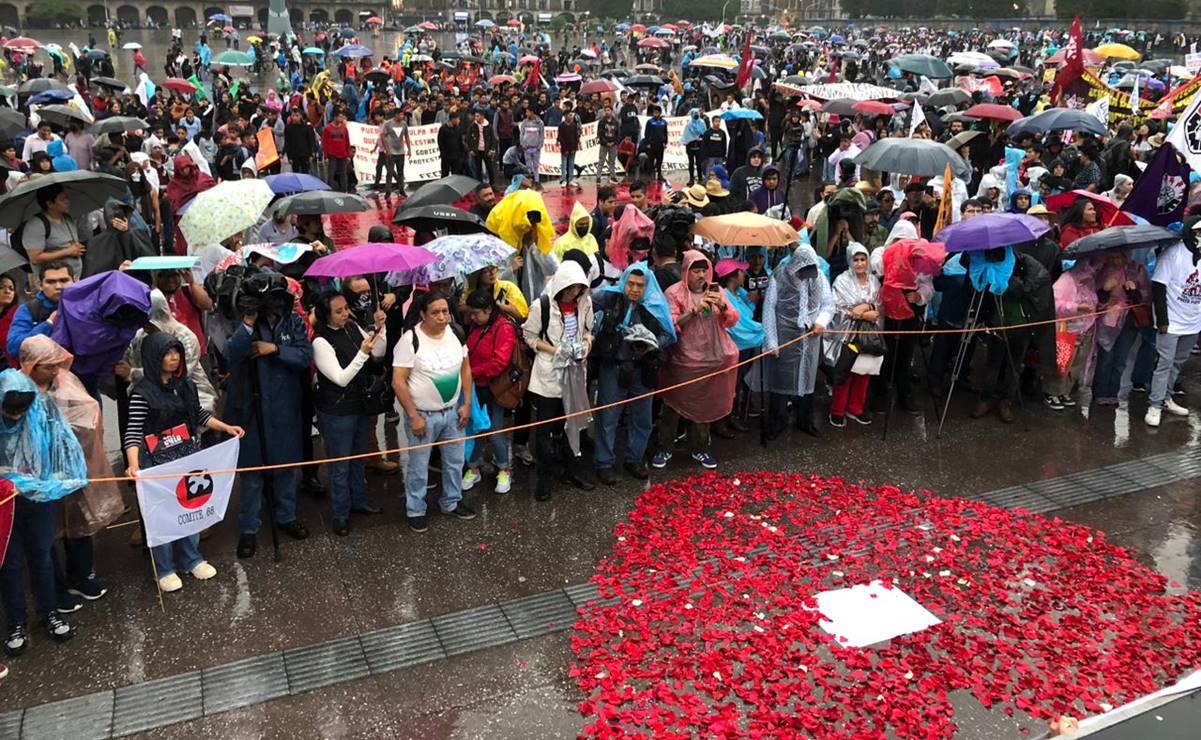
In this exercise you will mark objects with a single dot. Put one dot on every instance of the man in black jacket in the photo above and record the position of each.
(713, 150)
(481, 145)
(628, 117)
(450, 144)
(608, 135)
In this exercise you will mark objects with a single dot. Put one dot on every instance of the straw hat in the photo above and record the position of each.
(713, 187)
(696, 197)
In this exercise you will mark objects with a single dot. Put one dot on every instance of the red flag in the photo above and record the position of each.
(1073, 60)
(535, 77)
(746, 64)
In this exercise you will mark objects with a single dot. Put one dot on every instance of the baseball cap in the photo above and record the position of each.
(727, 266)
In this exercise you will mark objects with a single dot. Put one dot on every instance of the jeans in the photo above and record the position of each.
(638, 421)
(1173, 350)
(283, 490)
(499, 442)
(386, 164)
(566, 167)
(655, 160)
(1140, 369)
(533, 159)
(439, 425)
(339, 178)
(346, 435)
(1107, 377)
(481, 167)
(189, 552)
(29, 545)
(608, 159)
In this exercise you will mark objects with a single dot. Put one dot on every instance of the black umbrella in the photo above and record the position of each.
(435, 217)
(920, 157)
(118, 124)
(316, 202)
(643, 81)
(10, 260)
(950, 96)
(97, 54)
(839, 106)
(617, 73)
(39, 84)
(88, 192)
(61, 115)
(1120, 237)
(110, 82)
(378, 75)
(1059, 119)
(441, 192)
(11, 121)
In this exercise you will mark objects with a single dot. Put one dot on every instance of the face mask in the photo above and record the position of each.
(581, 229)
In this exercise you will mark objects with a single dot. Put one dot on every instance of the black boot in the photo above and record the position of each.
(804, 416)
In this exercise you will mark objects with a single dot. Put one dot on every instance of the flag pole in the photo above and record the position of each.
(154, 569)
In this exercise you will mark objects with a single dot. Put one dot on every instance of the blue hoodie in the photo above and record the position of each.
(62, 161)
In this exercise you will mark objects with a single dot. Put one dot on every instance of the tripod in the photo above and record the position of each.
(259, 416)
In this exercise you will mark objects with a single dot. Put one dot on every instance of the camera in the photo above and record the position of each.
(240, 290)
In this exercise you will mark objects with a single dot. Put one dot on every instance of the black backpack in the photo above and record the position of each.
(17, 241)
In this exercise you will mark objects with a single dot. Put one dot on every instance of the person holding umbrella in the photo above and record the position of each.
(51, 236)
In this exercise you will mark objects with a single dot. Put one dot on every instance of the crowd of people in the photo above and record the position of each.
(627, 307)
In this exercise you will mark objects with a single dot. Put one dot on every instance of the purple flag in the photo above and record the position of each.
(1162, 191)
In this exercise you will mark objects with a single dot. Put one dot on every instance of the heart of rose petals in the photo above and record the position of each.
(1043, 617)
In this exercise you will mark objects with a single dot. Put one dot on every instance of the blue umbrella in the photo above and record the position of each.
(991, 230)
(741, 114)
(314, 51)
(622, 26)
(221, 17)
(1058, 119)
(348, 33)
(353, 50)
(293, 182)
(836, 39)
(484, 23)
(52, 96)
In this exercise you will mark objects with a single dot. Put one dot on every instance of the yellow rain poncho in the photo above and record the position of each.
(509, 219)
(571, 239)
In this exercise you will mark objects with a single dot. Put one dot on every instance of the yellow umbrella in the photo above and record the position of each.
(1118, 51)
(721, 61)
(254, 39)
(746, 229)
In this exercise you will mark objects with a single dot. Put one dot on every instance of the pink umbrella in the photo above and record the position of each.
(598, 86)
(653, 42)
(527, 59)
(366, 259)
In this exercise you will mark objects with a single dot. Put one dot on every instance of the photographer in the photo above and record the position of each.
(269, 356)
(343, 353)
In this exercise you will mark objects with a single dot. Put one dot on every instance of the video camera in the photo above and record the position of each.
(240, 290)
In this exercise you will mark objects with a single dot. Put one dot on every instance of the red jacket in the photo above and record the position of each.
(489, 349)
(1072, 232)
(335, 142)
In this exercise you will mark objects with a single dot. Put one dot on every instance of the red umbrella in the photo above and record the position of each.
(637, 28)
(653, 42)
(873, 108)
(1090, 57)
(179, 85)
(593, 87)
(427, 26)
(513, 22)
(22, 42)
(807, 103)
(1108, 212)
(993, 112)
(495, 80)
(375, 19)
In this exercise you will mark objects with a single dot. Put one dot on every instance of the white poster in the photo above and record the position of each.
(192, 499)
(1192, 62)
(423, 163)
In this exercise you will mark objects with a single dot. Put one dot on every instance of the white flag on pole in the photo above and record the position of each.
(916, 118)
(1186, 134)
(192, 499)
(1100, 109)
(1134, 101)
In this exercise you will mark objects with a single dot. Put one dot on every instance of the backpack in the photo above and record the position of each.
(509, 387)
(17, 241)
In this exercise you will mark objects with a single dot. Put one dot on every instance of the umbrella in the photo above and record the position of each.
(593, 87)
(922, 64)
(131, 46)
(993, 112)
(839, 106)
(643, 81)
(441, 192)
(455, 254)
(1059, 119)
(11, 121)
(179, 85)
(950, 96)
(294, 182)
(920, 157)
(527, 59)
(231, 58)
(315, 202)
(1091, 57)
(110, 82)
(837, 40)
(741, 114)
(118, 124)
(255, 39)
(427, 26)
(972, 59)
(61, 115)
(1117, 51)
(501, 80)
(223, 210)
(991, 230)
(437, 216)
(962, 138)
(375, 19)
(96, 54)
(378, 76)
(347, 33)
(647, 68)
(88, 192)
(10, 260)
(22, 42)
(653, 42)
(747, 229)
(40, 84)
(1108, 212)
(367, 259)
(719, 61)
(873, 108)
(484, 23)
(220, 18)
(1000, 44)
(567, 78)
(353, 51)
(314, 51)
(52, 96)
(1120, 237)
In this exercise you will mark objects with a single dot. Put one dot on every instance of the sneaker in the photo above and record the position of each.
(522, 453)
(838, 421)
(863, 419)
(68, 604)
(660, 460)
(707, 461)
(203, 571)
(1153, 416)
(1053, 402)
(89, 590)
(462, 511)
(418, 523)
(1140, 387)
(1067, 401)
(294, 529)
(17, 641)
(170, 582)
(57, 627)
(470, 478)
(504, 482)
(1174, 408)
(3, 671)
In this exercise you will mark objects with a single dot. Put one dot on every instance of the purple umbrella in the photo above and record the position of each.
(373, 257)
(98, 317)
(990, 231)
(294, 182)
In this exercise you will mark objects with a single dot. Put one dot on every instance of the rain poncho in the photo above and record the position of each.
(848, 293)
(108, 249)
(704, 346)
(572, 240)
(794, 304)
(160, 316)
(653, 300)
(908, 265)
(98, 316)
(989, 275)
(509, 220)
(994, 178)
(695, 128)
(39, 453)
(633, 224)
(747, 333)
(62, 161)
(100, 504)
(1073, 289)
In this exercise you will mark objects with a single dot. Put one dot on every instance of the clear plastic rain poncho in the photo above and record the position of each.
(39, 453)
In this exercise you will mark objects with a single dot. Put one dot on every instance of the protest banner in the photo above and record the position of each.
(190, 501)
(423, 163)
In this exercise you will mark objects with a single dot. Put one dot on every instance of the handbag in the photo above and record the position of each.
(837, 359)
(1065, 351)
(378, 396)
(867, 339)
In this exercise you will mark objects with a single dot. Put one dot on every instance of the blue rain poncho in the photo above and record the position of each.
(652, 299)
(39, 453)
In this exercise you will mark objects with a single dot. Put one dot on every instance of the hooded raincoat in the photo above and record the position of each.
(633, 224)
(571, 239)
(160, 316)
(798, 298)
(108, 249)
(703, 346)
(39, 453)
